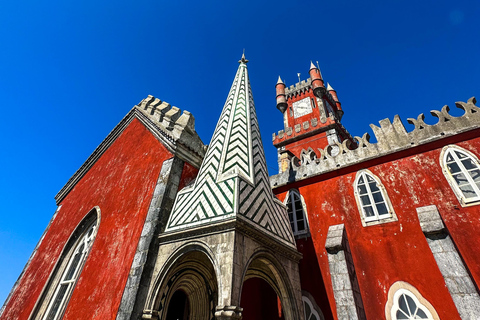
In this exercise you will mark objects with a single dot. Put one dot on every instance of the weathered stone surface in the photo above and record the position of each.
(391, 138)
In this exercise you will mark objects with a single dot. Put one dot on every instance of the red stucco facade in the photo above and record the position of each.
(121, 184)
(392, 251)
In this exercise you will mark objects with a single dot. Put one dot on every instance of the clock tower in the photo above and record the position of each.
(311, 118)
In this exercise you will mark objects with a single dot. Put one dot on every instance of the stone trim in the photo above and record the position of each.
(448, 176)
(160, 205)
(176, 132)
(386, 198)
(346, 291)
(391, 138)
(406, 286)
(457, 278)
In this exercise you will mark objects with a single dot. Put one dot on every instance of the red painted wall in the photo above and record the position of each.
(121, 183)
(386, 253)
(259, 301)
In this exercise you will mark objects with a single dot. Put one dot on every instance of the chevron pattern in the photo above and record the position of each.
(233, 179)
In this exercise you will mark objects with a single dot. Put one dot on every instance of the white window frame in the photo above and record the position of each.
(377, 218)
(290, 196)
(400, 289)
(450, 149)
(84, 234)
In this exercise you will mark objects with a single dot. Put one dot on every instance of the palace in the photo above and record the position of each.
(157, 225)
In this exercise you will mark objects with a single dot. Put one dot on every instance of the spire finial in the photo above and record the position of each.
(329, 87)
(312, 66)
(279, 80)
(243, 60)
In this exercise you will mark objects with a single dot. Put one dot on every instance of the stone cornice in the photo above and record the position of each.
(391, 138)
(176, 132)
(239, 224)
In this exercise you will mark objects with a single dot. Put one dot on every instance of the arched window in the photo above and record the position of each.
(405, 303)
(462, 170)
(311, 310)
(62, 281)
(372, 199)
(296, 212)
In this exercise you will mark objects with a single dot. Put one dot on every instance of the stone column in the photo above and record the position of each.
(144, 260)
(459, 283)
(342, 271)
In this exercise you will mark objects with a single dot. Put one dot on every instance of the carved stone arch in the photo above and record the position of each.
(400, 288)
(192, 269)
(264, 265)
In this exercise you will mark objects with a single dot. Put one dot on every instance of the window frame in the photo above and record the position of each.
(401, 288)
(290, 194)
(49, 292)
(390, 216)
(450, 149)
(308, 298)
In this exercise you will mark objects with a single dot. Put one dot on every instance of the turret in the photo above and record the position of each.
(281, 99)
(317, 81)
(335, 98)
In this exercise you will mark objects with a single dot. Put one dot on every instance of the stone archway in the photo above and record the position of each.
(265, 266)
(188, 283)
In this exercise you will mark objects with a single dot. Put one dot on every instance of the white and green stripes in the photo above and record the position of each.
(233, 179)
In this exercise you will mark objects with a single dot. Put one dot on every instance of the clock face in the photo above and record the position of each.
(302, 107)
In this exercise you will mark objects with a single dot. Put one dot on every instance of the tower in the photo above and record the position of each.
(312, 117)
(227, 227)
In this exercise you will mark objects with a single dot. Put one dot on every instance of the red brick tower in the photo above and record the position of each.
(311, 117)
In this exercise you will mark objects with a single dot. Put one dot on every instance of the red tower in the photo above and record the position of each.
(311, 117)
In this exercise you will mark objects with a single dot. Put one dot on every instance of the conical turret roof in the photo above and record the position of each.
(233, 180)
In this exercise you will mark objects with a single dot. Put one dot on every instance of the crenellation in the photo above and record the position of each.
(391, 137)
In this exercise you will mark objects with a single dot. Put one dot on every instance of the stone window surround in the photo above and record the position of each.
(40, 308)
(405, 287)
(393, 215)
(308, 298)
(306, 232)
(448, 176)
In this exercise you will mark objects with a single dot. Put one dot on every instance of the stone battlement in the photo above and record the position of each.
(298, 88)
(391, 138)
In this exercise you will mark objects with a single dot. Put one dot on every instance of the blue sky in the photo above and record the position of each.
(70, 70)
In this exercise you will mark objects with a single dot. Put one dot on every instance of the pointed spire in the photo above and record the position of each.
(312, 66)
(243, 59)
(329, 87)
(279, 80)
(234, 172)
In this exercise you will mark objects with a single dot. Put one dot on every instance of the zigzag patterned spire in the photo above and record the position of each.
(233, 180)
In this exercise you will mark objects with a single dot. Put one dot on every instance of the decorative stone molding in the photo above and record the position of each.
(228, 313)
(391, 138)
(421, 302)
(298, 88)
(174, 130)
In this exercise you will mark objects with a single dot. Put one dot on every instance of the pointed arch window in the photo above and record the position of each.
(405, 303)
(62, 281)
(462, 170)
(296, 212)
(372, 199)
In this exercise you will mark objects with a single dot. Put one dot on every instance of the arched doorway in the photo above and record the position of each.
(266, 291)
(259, 301)
(179, 306)
(187, 289)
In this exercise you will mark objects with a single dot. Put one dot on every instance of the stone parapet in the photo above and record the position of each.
(391, 138)
(175, 130)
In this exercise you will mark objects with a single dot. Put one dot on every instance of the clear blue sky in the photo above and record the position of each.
(70, 70)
